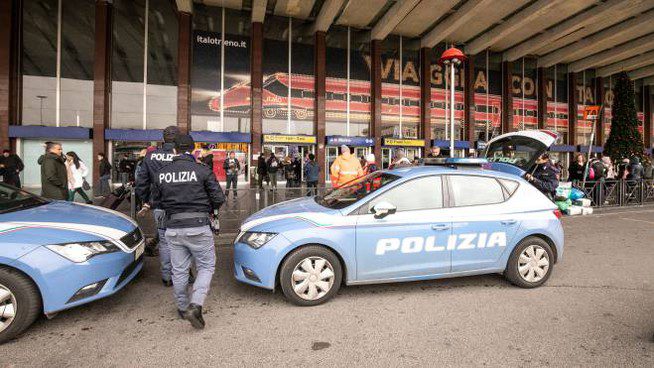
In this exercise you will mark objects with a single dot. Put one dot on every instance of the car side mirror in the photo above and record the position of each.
(383, 209)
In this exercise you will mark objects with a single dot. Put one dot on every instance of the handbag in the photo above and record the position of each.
(85, 184)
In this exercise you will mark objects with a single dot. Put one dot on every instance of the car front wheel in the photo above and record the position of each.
(531, 263)
(310, 275)
(20, 303)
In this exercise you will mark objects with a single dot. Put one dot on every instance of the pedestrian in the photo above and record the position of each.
(434, 152)
(400, 160)
(190, 196)
(11, 165)
(577, 168)
(370, 165)
(152, 163)
(272, 167)
(311, 174)
(54, 177)
(76, 171)
(345, 168)
(232, 167)
(105, 175)
(296, 165)
(544, 176)
(608, 167)
(598, 169)
(207, 159)
(623, 169)
(635, 169)
(648, 169)
(262, 171)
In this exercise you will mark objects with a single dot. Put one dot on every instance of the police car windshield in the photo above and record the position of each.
(518, 151)
(12, 199)
(356, 190)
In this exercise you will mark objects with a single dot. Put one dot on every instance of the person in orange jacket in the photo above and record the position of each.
(345, 168)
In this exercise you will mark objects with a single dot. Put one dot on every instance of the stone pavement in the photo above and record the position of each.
(596, 310)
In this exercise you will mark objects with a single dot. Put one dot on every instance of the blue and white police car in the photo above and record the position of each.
(55, 255)
(461, 217)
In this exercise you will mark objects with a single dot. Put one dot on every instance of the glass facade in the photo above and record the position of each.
(524, 89)
(288, 81)
(347, 99)
(488, 95)
(57, 69)
(220, 75)
(144, 64)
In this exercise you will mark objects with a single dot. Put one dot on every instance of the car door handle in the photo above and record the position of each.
(509, 222)
(441, 227)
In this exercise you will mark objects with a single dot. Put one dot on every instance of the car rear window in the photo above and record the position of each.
(469, 190)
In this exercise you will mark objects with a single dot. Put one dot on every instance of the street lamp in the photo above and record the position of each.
(452, 57)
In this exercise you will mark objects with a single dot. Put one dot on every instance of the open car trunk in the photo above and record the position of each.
(516, 152)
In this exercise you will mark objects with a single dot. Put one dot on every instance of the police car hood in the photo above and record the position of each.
(67, 216)
(302, 208)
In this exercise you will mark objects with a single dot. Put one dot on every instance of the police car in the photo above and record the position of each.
(55, 255)
(456, 218)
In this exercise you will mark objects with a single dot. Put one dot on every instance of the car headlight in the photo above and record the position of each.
(256, 239)
(82, 251)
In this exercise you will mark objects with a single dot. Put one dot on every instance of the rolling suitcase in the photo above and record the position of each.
(115, 198)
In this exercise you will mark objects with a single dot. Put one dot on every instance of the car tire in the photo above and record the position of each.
(314, 271)
(531, 263)
(23, 296)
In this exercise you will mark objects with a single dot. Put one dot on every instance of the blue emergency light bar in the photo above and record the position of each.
(455, 162)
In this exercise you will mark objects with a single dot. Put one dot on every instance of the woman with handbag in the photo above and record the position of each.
(77, 171)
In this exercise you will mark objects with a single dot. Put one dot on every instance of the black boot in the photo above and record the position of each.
(167, 283)
(181, 313)
(194, 315)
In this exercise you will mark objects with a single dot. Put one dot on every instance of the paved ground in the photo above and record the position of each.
(597, 309)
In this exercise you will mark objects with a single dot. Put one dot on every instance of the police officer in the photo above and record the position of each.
(191, 197)
(544, 176)
(145, 178)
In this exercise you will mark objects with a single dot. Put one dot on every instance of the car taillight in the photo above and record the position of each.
(558, 214)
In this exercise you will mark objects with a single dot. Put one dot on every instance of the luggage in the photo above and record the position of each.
(574, 210)
(583, 202)
(115, 198)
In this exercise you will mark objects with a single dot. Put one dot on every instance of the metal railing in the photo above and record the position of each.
(619, 193)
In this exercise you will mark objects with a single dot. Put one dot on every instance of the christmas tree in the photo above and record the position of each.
(625, 141)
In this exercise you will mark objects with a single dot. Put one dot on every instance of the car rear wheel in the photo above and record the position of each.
(531, 263)
(310, 276)
(20, 303)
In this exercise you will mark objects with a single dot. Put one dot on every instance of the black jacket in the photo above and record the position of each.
(262, 167)
(236, 166)
(576, 171)
(54, 178)
(13, 165)
(151, 164)
(273, 169)
(545, 179)
(185, 186)
(105, 167)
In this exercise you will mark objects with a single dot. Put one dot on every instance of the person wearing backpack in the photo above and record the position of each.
(273, 166)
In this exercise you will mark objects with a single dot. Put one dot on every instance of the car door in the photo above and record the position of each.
(411, 242)
(482, 221)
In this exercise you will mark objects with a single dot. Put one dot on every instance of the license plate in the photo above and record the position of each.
(138, 252)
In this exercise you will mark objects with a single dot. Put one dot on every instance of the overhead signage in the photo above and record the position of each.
(404, 142)
(337, 140)
(280, 138)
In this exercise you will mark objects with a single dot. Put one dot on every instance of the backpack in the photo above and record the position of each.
(591, 173)
(599, 170)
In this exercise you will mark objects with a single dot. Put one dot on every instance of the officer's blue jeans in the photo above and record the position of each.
(187, 245)
(164, 249)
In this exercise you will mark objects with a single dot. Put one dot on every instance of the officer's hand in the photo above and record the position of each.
(529, 177)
